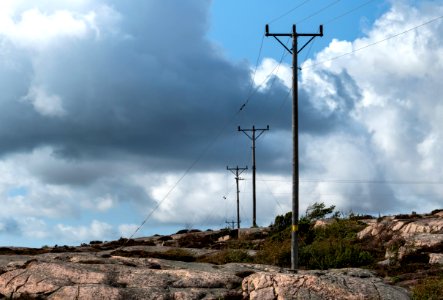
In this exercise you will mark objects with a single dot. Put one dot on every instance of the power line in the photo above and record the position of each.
(348, 12)
(360, 181)
(288, 12)
(186, 172)
(256, 65)
(273, 195)
(372, 44)
(276, 68)
(318, 11)
(209, 145)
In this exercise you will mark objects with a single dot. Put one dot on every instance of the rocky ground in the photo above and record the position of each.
(99, 275)
(166, 267)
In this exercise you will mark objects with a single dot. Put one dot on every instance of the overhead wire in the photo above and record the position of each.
(253, 91)
(262, 83)
(359, 181)
(288, 12)
(318, 11)
(213, 213)
(208, 146)
(250, 94)
(273, 196)
(256, 66)
(372, 44)
(347, 12)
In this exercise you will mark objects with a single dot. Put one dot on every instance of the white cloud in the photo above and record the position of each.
(197, 199)
(102, 144)
(398, 113)
(95, 231)
(35, 28)
(105, 203)
(50, 105)
(269, 66)
(126, 230)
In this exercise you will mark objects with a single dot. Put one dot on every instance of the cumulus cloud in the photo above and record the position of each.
(96, 230)
(388, 98)
(103, 115)
(35, 28)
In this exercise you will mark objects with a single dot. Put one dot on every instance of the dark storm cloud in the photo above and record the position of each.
(153, 86)
(152, 91)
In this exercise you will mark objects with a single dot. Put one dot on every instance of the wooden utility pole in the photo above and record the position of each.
(237, 173)
(295, 163)
(253, 137)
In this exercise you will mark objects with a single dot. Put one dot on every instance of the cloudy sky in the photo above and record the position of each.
(115, 112)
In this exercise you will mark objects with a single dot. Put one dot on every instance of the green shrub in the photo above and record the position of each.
(333, 253)
(228, 256)
(275, 252)
(171, 254)
(332, 246)
(429, 289)
(177, 254)
(319, 211)
(282, 222)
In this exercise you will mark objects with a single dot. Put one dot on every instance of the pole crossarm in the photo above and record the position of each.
(295, 159)
(294, 34)
(237, 170)
(253, 130)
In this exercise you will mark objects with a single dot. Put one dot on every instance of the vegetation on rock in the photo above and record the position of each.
(428, 289)
(228, 256)
(322, 247)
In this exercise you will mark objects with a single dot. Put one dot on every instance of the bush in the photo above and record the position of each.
(177, 254)
(333, 253)
(282, 222)
(171, 254)
(429, 289)
(318, 211)
(276, 250)
(228, 256)
(95, 242)
(334, 246)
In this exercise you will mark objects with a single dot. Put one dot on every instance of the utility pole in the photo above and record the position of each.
(253, 137)
(237, 173)
(295, 163)
(230, 224)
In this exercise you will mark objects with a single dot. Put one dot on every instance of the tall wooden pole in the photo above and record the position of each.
(295, 155)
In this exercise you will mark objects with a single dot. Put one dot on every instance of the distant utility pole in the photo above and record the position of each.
(237, 173)
(230, 224)
(295, 164)
(253, 137)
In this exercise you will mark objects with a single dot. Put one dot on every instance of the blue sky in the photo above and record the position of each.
(239, 25)
(117, 112)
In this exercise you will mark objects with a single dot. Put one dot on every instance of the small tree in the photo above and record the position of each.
(282, 222)
(318, 211)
